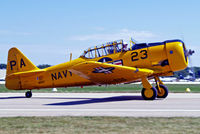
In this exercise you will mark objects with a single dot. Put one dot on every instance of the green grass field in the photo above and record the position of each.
(98, 125)
(101, 125)
(178, 88)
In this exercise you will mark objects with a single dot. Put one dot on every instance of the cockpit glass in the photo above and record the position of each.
(103, 50)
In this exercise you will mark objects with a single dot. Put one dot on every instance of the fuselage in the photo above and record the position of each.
(162, 57)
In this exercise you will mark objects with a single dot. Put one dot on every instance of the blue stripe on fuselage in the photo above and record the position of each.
(145, 45)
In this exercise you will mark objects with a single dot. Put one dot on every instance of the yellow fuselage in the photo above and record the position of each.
(164, 58)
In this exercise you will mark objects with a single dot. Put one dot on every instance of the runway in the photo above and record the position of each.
(99, 104)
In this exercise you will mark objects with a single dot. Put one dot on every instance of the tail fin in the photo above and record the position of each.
(18, 62)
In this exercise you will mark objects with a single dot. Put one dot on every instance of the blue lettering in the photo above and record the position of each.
(59, 75)
(12, 63)
(65, 73)
(54, 76)
(22, 63)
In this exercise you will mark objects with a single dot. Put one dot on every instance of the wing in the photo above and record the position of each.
(104, 73)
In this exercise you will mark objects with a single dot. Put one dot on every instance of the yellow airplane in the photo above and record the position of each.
(110, 63)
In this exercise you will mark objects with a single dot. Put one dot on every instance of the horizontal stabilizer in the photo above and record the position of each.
(26, 73)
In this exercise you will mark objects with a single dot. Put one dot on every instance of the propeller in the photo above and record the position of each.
(189, 53)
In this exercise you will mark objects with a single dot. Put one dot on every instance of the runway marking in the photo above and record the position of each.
(106, 110)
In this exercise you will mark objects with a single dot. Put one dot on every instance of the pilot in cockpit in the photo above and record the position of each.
(124, 46)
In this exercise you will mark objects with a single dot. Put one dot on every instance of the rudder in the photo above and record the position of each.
(17, 62)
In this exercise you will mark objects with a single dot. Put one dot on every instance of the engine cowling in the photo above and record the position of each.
(176, 53)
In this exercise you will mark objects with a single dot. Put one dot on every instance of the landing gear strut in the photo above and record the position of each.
(150, 93)
(28, 94)
(162, 90)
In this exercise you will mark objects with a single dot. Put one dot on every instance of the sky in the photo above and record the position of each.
(47, 31)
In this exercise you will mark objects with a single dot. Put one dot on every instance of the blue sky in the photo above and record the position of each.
(46, 31)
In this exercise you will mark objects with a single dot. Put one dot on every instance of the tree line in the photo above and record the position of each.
(42, 66)
(179, 74)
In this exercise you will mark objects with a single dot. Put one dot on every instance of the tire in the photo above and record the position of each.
(149, 94)
(164, 91)
(28, 94)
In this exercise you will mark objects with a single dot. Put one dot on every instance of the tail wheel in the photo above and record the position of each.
(163, 92)
(149, 94)
(28, 94)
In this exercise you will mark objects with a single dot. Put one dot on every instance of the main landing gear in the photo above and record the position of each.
(28, 94)
(150, 93)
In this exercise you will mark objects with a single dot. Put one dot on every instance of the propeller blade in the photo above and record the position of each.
(189, 52)
(191, 69)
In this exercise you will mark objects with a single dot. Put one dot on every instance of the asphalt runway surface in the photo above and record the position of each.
(99, 104)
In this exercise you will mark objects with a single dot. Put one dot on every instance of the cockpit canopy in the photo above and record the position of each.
(105, 49)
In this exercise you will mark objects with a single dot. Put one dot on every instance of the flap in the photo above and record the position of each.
(104, 73)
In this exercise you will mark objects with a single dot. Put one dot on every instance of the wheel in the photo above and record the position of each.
(149, 94)
(163, 93)
(28, 94)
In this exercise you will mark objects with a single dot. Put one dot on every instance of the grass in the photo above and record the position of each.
(98, 125)
(101, 125)
(178, 88)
